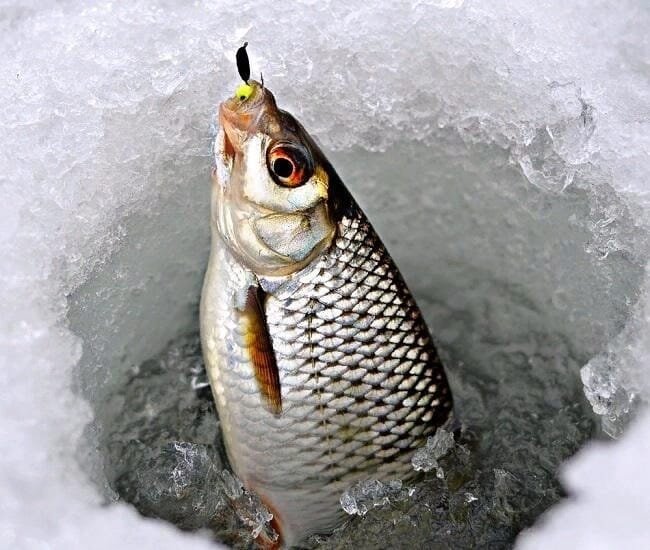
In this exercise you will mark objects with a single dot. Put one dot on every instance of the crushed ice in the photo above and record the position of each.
(372, 493)
(437, 446)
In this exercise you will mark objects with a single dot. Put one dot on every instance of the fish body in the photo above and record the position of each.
(321, 366)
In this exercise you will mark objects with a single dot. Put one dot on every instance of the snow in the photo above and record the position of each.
(502, 153)
(610, 513)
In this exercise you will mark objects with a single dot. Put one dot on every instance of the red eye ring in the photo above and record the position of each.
(289, 164)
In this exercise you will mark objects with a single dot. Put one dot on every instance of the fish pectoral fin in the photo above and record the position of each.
(260, 348)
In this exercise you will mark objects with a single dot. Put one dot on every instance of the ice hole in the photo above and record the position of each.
(514, 283)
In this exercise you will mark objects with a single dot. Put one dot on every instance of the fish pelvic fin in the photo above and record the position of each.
(275, 539)
(260, 348)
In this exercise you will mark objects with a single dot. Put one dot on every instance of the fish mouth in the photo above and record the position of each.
(241, 117)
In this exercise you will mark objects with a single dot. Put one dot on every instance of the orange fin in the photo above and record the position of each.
(260, 348)
(273, 540)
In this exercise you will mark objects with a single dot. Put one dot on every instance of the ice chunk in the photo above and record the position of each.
(234, 487)
(618, 380)
(167, 482)
(551, 157)
(426, 459)
(372, 493)
(254, 514)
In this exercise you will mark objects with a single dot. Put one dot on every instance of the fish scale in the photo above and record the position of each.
(361, 383)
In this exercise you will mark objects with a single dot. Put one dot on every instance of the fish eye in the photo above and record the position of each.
(289, 164)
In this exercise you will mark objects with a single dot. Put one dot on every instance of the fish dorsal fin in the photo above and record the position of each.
(260, 348)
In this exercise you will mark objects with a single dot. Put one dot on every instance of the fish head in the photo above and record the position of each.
(271, 191)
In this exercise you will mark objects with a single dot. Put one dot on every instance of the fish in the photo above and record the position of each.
(321, 365)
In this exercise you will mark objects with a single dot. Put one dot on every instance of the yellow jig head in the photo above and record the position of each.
(243, 91)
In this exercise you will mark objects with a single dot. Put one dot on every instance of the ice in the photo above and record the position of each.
(617, 380)
(502, 154)
(426, 459)
(233, 486)
(373, 493)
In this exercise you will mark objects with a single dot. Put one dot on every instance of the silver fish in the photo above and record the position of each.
(321, 366)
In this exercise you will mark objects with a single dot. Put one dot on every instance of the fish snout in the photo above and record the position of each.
(241, 115)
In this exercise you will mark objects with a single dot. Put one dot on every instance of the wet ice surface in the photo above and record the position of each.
(519, 400)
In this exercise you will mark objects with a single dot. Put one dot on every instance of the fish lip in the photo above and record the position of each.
(242, 118)
(229, 134)
(238, 120)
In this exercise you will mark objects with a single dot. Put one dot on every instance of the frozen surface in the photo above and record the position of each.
(502, 153)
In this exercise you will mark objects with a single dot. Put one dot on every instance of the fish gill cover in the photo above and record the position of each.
(501, 154)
